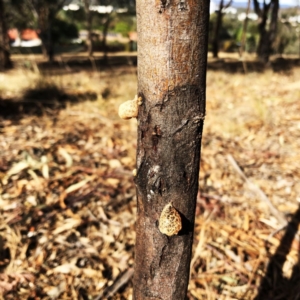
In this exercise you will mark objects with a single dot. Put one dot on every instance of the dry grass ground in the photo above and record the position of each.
(67, 201)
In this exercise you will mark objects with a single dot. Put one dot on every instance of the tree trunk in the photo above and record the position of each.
(267, 36)
(46, 13)
(104, 36)
(218, 25)
(50, 45)
(244, 33)
(89, 20)
(172, 60)
(5, 61)
(273, 23)
(45, 19)
(263, 44)
(244, 38)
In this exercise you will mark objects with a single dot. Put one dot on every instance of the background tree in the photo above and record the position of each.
(171, 82)
(267, 31)
(286, 36)
(89, 20)
(108, 18)
(244, 30)
(243, 37)
(104, 20)
(46, 11)
(20, 15)
(5, 61)
(41, 15)
(218, 25)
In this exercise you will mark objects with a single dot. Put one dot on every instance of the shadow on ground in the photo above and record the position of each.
(75, 64)
(44, 98)
(274, 285)
(47, 97)
(233, 66)
(72, 64)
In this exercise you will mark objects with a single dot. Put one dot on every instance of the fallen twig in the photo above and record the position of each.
(258, 191)
(112, 290)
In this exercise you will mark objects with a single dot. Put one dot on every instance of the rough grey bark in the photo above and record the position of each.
(5, 61)
(172, 57)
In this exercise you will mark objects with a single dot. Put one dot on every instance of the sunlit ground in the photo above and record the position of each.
(67, 201)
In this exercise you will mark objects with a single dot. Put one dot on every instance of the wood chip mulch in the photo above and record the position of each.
(67, 197)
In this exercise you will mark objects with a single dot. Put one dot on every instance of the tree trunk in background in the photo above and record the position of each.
(273, 23)
(104, 36)
(244, 33)
(172, 60)
(46, 12)
(5, 61)
(218, 25)
(50, 45)
(244, 38)
(267, 36)
(45, 22)
(89, 20)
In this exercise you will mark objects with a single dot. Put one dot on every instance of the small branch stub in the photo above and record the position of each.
(169, 221)
(130, 108)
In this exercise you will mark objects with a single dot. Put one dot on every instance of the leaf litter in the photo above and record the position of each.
(67, 202)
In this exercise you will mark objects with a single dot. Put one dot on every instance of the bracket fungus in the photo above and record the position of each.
(169, 221)
(130, 108)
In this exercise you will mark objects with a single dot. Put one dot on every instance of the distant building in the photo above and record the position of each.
(230, 10)
(13, 34)
(97, 35)
(72, 5)
(102, 9)
(25, 38)
(294, 20)
(95, 5)
(132, 36)
(250, 16)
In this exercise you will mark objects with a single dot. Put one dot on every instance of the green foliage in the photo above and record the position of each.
(232, 29)
(252, 36)
(286, 40)
(20, 15)
(76, 17)
(23, 14)
(228, 33)
(124, 24)
(122, 27)
(63, 31)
